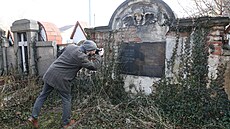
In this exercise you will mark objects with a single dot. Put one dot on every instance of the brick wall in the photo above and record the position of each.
(214, 40)
(132, 34)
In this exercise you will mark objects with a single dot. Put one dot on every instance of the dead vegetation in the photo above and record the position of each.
(93, 107)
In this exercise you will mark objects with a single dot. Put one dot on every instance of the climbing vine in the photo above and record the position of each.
(188, 102)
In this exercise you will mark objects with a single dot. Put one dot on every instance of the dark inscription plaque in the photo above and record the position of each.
(143, 59)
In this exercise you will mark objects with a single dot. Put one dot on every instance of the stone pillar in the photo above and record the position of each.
(32, 51)
(5, 44)
(218, 56)
(214, 41)
(17, 54)
(226, 80)
(2, 38)
(30, 29)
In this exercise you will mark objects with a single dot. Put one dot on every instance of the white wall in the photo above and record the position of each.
(66, 36)
(79, 35)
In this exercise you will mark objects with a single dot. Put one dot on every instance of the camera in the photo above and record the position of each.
(98, 51)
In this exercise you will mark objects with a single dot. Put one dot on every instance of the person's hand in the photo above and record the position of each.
(101, 53)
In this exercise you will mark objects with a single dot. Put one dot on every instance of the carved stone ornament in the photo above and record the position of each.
(139, 18)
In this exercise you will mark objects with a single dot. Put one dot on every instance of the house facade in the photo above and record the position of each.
(73, 33)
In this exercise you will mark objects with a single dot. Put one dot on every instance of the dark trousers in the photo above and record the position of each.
(66, 103)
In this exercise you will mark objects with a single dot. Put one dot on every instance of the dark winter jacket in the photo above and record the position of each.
(64, 69)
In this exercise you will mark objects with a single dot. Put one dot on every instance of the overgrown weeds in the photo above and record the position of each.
(99, 101)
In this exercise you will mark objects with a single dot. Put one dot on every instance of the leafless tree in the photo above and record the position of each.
(208, 8)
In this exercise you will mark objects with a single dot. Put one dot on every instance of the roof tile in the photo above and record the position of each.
(52, 32)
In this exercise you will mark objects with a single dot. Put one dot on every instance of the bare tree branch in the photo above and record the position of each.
(183, 8)
(211, 7)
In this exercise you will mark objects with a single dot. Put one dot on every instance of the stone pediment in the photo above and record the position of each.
(141, 13)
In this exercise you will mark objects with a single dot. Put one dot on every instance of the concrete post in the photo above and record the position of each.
(17, 54)
(32, 51)
(2, 38)
(4, 53)
(30, 29)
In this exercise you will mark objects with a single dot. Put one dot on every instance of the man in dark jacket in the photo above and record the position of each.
(61, 72)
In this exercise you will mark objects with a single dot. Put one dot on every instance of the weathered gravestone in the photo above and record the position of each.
(140, 26)
(149, 35)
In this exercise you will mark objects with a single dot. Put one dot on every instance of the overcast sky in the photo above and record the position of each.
(66, 12)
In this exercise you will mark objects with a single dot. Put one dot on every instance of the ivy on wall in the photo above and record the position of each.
(187, 102)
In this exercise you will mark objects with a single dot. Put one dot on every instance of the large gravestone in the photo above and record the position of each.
(143, 25)
(140, 28)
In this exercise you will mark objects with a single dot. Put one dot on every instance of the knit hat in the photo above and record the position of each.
(89, 45)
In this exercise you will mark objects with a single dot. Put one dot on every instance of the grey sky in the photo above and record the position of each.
(65, 12)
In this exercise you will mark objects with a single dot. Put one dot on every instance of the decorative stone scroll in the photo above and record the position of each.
(145, 18)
